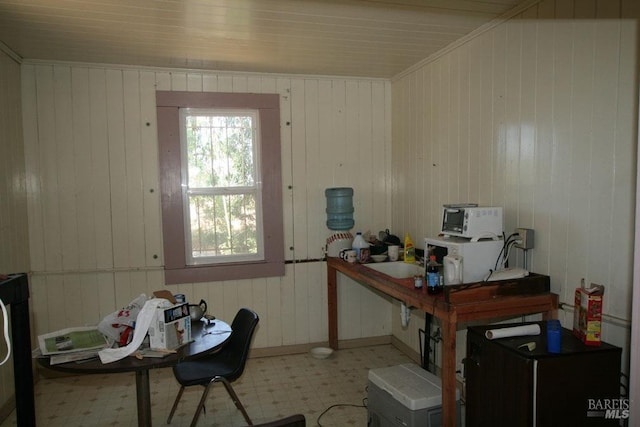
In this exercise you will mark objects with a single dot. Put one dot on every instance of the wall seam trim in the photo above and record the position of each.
(467, 38)
(13, 55)
(204, 71)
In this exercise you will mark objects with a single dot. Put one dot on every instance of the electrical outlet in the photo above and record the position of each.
(525, 238)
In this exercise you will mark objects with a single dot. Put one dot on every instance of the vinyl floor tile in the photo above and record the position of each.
(270, 388)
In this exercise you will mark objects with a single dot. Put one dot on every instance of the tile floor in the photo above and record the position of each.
(271, 388)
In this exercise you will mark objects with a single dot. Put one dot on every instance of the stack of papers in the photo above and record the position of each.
(72, 344)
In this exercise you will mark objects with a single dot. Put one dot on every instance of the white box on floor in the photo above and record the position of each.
(407, 396)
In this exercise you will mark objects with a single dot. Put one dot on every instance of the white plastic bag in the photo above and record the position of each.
(118, 326)
(144, 319)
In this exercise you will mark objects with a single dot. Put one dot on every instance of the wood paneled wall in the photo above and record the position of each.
(94, 208)
(14, 247)
(14, 250)
(538, 115)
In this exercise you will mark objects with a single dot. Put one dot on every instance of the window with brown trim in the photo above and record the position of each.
(221, 185)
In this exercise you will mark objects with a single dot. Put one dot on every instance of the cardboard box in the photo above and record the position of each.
(171, 327)
(587, 317)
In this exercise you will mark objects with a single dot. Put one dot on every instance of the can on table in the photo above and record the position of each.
(180, 298)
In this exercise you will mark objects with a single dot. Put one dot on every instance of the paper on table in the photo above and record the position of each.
(516, 331)
(72, 340)
(143, 321)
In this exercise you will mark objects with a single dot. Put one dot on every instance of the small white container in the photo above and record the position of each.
(394, 252)
(321, 352)
(361, 247)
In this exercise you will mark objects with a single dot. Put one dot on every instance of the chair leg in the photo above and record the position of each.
(175, 404)
(235, 399)
(200, 407)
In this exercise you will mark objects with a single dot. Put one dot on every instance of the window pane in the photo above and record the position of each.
(223, 225)
(220, 151)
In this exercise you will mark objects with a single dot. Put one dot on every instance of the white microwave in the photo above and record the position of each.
(477, 259)
(472, 222)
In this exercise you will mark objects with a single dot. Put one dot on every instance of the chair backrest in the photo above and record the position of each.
(297, 420)
(243, 326)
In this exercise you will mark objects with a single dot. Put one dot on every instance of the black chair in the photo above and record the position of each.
(224, 366)
(297, 420)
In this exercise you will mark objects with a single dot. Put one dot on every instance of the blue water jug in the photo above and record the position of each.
(339, 208)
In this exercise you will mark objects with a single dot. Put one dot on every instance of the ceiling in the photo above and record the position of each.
(365, 38)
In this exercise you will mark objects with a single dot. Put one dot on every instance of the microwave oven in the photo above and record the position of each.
(476, 259)
(472, 222)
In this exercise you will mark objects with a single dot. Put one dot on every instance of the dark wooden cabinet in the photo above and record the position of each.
(511, 386)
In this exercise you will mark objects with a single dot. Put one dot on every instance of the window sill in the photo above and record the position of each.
(210, 273)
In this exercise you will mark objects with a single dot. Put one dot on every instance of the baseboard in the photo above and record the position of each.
(365, 342)
(275, 351)
(283, 351)
(7, 408)
(305, 348)
(411, 353)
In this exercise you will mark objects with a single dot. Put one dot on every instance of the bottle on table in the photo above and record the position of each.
(409, 250)
(434, 285)
(361, 247)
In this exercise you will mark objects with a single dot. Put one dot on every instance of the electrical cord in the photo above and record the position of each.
(364, 405)
(5, 317)
(504, 239)
(510, 245)
(503, 255)
(506, 248)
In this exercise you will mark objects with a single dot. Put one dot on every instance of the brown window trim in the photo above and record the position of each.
(268, 106)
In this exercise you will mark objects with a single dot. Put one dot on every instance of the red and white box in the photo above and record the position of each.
(587, 317)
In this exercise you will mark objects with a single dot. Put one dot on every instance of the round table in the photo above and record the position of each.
(205, 339)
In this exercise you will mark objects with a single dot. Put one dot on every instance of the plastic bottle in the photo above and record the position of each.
(409, 250)
(417, 281)
(361, 247)
(433, 276)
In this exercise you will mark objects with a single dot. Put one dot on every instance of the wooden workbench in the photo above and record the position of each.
(490, 303)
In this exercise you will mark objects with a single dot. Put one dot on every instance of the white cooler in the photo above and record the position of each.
(407, 396)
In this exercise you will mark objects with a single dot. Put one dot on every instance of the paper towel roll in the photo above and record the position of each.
(516, 331)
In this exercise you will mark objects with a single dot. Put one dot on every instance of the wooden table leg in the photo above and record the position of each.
(449, 327)
(332, 297)
(143, 398)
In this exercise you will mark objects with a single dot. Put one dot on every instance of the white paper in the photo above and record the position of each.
(72, 340)
(145, 317)
(516, 331)
(56, 359)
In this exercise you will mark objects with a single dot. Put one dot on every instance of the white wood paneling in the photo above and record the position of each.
(626, 166)
(13, 226)
(14, 250)
(91, 143)
(273, 85)
(537, 116)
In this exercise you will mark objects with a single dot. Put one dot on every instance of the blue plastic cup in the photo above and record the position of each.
(554, 336)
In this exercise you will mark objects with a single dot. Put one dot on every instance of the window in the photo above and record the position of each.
(222, 200)
(221, 186)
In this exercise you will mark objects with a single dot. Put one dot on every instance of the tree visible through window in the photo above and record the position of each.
(221, 183)
(222, 194)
